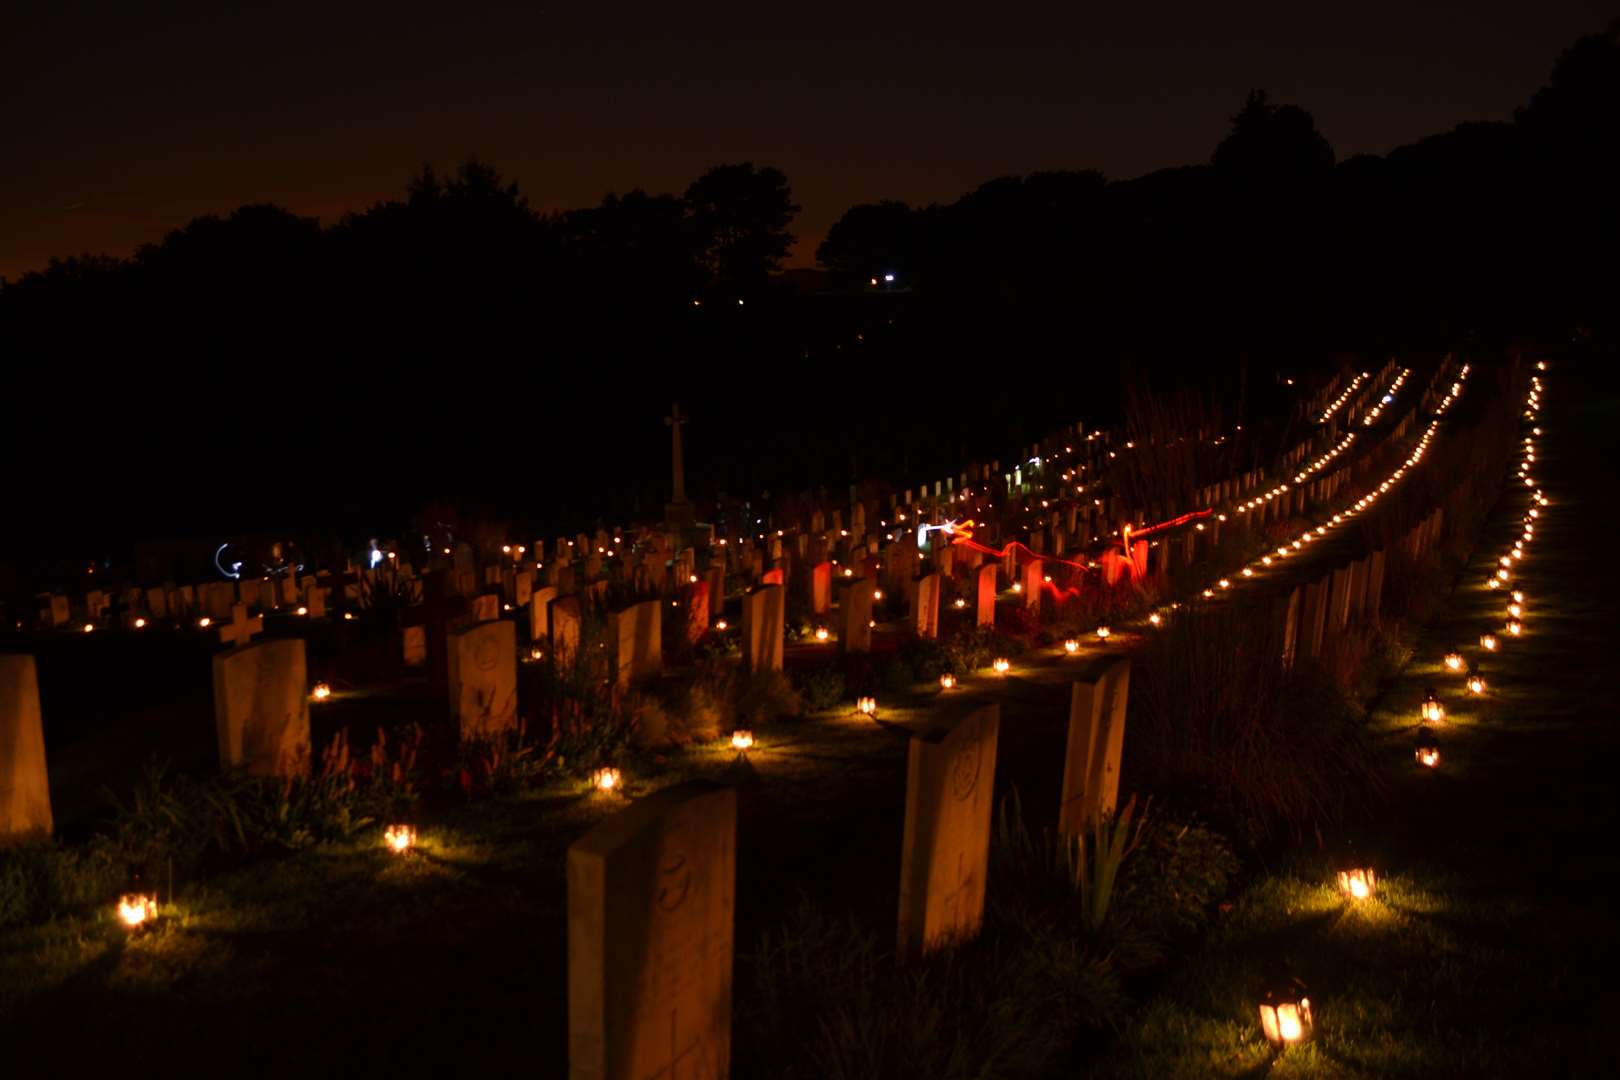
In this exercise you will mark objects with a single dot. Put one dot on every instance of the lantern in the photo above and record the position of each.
(1433, 713)
(537, 653)
(1102, 633)
(821, 633)
(1476, 683)
(1502, 574)
(1454, 661)
(321, 692)
(399, 838)
(947, 681)
(135, 910)
(1517, 594)
(1358, 884)
(1208, 593)
(606, 779)
(302, 611)
(1018, 587)
(1515, 610)
(1225, 583)
(205, 622)
(1071, 646)
(1493, 583)
(1427, 752)
(742, 740)
(721, 625)
(1487, 642)
(960, 603)
(866, 706)
(1002, 665)
(877, 594)
(1514, 627)
(1285, 1016)
(139, 623)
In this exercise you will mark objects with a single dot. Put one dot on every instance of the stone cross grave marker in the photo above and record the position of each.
(240, 630)
(261, 708)
(651, 909)
(950, 780)
(1096, 738)
(25, 794)
(483, 679)
(764, 624)
(434, 615)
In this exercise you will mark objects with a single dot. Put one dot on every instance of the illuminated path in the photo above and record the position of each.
(1490, 945)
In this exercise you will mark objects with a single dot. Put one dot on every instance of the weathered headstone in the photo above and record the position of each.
(415, 645)
(927, 613)
(1034, 578)
(540, 613)
(855, 615)
(565, 629)
(821, 588)
(651, 908)
(639, 632)
(950, 778)
(697, 610)
(434, 615)
(261, 708)
(483, 679)
(764, 623)
(486, 606)
(25, 794)
(1096, 738)
(987, 594)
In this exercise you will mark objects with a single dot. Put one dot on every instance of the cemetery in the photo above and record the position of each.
(1136, 751)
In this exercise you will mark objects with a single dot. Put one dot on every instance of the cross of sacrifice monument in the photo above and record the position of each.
(678, 511)
(241, 629)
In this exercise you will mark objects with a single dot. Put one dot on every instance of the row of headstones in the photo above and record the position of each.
(652, 889)
(1313, 616)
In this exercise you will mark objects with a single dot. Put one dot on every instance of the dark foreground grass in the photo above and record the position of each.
(1489, 947)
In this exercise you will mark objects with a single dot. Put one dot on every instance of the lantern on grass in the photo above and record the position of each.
(1487, 642)
(205, 622)
(140, 623)
(1427, 752)
(1102, 633)
(1432, 711)
(866, 706)
(135, 910)
(537, 653)
(1514, 627)
(1517, 594)
(1071, 646)
(947, 681)
(959, 603)
(399, 838)
(742, 740)
(1285, 1015)
(1002, 665)
(720, 625)
(321, 692)
(1502, 574)
(1454, 660)
(1493, 583)
(1515, 610)
(1358, 884)
(606, 779)
(1155, 618)
(1476, 683)
(822, 634)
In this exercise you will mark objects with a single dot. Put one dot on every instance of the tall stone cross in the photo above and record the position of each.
(675, 421)
(435, 613)
(241, 629)
(678, 511)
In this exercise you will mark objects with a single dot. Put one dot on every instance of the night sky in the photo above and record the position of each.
(122, 120)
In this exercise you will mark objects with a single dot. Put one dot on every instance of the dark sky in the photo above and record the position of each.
(120, 119)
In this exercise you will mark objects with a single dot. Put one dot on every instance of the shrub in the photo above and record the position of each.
(821, 688)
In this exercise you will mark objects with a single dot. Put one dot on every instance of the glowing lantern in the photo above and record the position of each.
(1285, 1018)
(1487, 642)
(1018, 587)
(1432, 711)
(742, 740)
(721, 625)
(1454, 660)
(135, 910)
(1502, 574)
(1476, 683)
(537, 653)
(1492, 583)
(1514, 627)
(1002, 665)
(821, 633)
(1156, 619)
(1358, 884)
(139, 623)
(606, 779)
(1225, 583)
(321, 692)
(399, 838)
(303, 611)
(877, 594)
(1071, 646)
(960, 603)
(205, 622)
(1208, 593)
(88, 627)
(1427, 753)
(1102, 633)
(947, 681)
(1518, 596)
(1515, 610)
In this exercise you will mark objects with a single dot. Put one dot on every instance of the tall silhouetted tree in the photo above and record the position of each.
(1273, 143)
(741, 215)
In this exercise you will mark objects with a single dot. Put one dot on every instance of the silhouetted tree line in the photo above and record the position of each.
(259, 368)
